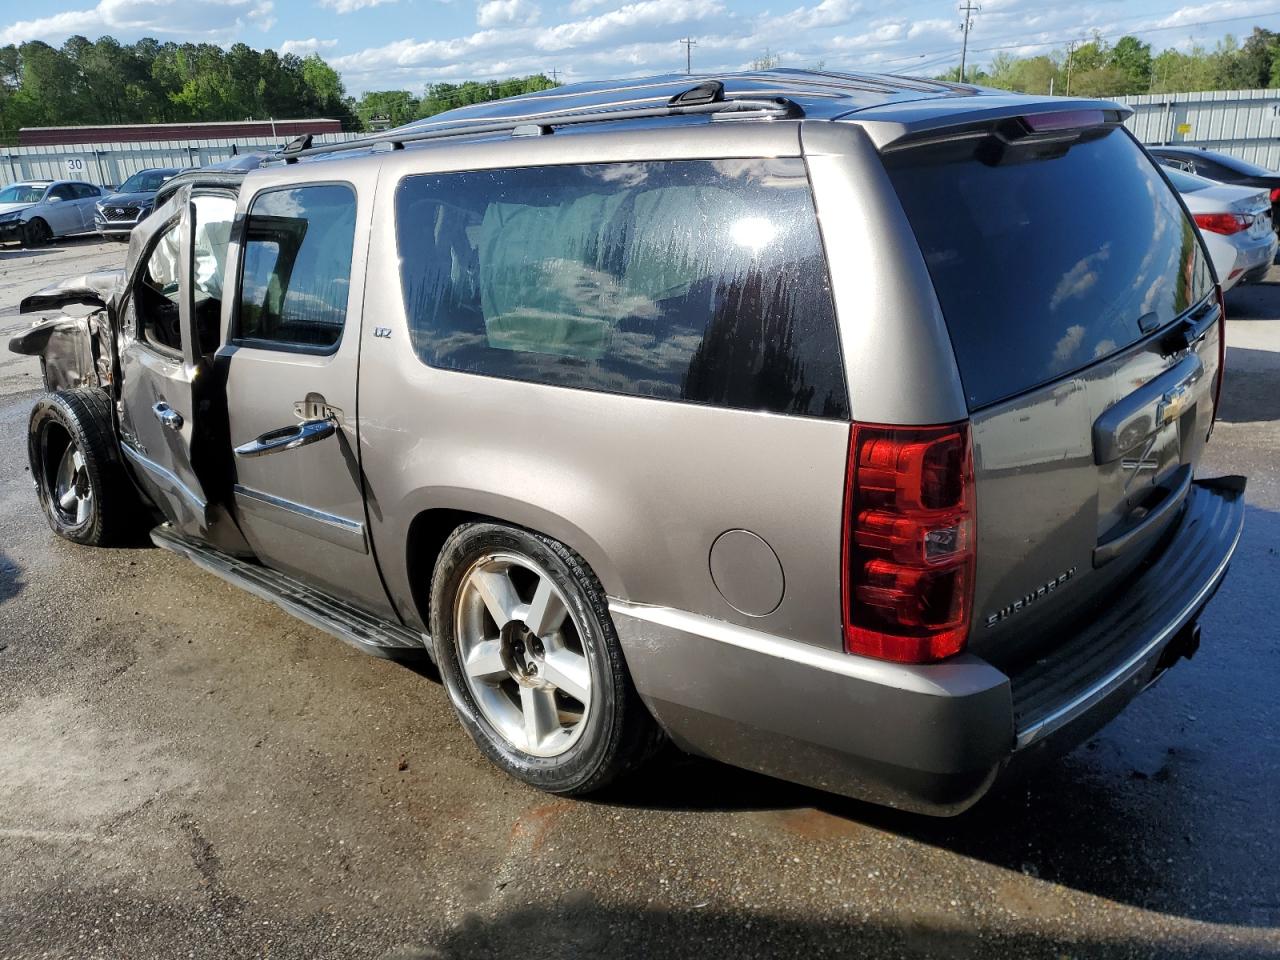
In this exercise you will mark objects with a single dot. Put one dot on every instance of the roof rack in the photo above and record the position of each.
(705, 98)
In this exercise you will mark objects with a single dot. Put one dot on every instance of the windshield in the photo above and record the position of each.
(146, 181)
(1051, 260)
(22, 193)
(1186, 182)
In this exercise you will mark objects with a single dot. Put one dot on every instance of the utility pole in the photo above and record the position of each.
(555, 76)
(689, 44)
(1071, 50)
(968, 8)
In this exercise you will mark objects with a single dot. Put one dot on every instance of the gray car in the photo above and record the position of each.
(33, 212)
(843, 428)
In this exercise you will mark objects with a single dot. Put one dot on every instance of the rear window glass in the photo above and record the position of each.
(701, 281)
(1045, 264)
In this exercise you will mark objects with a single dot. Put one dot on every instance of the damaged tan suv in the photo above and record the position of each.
(844, 428)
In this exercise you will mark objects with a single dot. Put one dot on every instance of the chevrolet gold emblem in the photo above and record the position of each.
(1173, 404)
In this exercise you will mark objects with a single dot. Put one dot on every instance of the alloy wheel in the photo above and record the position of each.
(72, 492)
(522, 656)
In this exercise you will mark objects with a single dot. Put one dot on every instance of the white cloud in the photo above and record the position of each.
(502, 13)
(207, 20)
(303, 48)
(828, 13)
(615, 39)
(350, 6)
(625, 21)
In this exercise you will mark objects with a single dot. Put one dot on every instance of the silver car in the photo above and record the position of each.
(1234, 222)
(33, 212)
(843, 428)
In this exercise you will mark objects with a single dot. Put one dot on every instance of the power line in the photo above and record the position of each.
(968, 8)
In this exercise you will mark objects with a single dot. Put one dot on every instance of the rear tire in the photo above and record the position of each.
(83, 489)
(36, 233)
(540, 685)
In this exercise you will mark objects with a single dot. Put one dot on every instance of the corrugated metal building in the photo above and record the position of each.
(152, 132)
(1244, 123)
(111, 163)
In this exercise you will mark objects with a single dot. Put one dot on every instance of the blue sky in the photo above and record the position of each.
(389, 44)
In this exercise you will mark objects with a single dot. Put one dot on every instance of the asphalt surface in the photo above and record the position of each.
(185, 771)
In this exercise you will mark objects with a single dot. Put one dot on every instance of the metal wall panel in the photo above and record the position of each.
(1243, 123)
(113, 163)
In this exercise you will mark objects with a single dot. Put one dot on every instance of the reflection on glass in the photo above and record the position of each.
(687, 280)
(1045, 263)
(297, 265)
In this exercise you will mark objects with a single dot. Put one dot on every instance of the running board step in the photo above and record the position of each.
(364, 631)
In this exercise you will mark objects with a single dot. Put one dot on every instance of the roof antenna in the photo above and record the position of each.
(295, 147)
(710, 92)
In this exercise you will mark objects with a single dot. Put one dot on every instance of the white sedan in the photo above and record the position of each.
(1235, 223)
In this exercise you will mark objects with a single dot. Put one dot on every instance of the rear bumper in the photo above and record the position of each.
(1254, 256)
(931, 739)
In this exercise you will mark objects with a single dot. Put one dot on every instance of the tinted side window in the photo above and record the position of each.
(701, 281)
(1212, 170)
(297, 266)
(62, 191)
(84, 191)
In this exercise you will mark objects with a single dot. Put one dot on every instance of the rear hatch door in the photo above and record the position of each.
(1085, 326)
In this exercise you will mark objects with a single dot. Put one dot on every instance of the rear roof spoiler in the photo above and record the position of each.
(891, 124)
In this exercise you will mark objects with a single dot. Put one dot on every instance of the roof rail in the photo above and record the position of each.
(705, 98)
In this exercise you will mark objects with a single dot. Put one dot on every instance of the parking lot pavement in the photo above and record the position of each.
(185, 771)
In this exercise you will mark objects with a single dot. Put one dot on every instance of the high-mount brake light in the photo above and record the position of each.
(1063, 120)
(1223, 223)
(908, 558)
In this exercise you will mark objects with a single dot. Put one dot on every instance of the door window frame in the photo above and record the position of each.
(140, 337)
(240, 237)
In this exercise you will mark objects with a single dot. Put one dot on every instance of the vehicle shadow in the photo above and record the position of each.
(1251, 388)
(582, 927)
(1254, 301)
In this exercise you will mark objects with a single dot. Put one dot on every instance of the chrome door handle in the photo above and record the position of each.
(289, 438)
(167, 416)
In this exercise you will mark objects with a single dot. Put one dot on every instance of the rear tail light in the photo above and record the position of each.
(1224, 223)
(1275, 194)
(908, 563)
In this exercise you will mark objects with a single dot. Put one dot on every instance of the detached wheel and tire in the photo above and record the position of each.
(36, 233)
(83, 490)
(531, 660)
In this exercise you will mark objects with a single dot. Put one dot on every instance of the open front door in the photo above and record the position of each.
(171, 401)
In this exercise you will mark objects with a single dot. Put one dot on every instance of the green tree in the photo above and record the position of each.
(1132, 59)
(397, 106)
